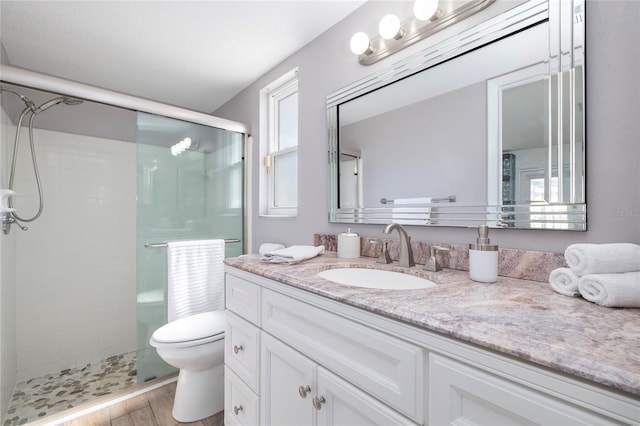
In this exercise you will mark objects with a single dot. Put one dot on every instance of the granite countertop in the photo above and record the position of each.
(522, 318)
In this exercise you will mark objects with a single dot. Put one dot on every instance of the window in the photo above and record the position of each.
(279, 146)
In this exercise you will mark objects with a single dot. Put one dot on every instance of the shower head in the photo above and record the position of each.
(55, 101)
(72, 101)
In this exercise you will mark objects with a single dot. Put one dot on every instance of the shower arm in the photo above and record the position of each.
(24, 99)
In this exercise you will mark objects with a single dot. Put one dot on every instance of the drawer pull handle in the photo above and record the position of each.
(304, 391)
(237, 409)
(317, 402)
(238, 348)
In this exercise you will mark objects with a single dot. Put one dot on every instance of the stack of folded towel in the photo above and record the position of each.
(291, 255)
(606, 274)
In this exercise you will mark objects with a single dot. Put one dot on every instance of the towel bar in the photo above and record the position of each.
(449, 199)
(164, 245)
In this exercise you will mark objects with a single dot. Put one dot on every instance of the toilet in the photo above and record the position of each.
(195, 345)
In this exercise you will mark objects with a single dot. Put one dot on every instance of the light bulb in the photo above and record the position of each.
(360, 43)
(390, 27)
(425, 9)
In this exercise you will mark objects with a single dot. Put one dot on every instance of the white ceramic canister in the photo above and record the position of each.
(349, 245)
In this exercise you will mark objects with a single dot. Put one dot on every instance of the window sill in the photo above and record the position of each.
(278, 216)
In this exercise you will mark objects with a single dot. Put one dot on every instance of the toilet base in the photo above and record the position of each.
(199, 394)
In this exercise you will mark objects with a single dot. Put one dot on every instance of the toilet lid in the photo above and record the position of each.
(194, 327)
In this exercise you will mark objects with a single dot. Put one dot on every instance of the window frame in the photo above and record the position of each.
(271, 96)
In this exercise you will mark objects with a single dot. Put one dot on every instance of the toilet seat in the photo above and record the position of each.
(191, 331)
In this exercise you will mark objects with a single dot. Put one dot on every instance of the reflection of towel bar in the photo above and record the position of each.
(163, 245)
(449, 199)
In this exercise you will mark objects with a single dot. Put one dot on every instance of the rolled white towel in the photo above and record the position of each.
(612, 290)
(293, 254)
(587, 259)
(564, 281)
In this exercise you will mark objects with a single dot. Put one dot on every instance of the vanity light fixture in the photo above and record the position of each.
(430, 16)
(181, 147)
(360, 44)
(390, 27)
(425, 10)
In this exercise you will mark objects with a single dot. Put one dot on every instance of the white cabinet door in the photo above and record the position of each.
(388, 368)
(286, 375)
(460, 394)
(339, 403)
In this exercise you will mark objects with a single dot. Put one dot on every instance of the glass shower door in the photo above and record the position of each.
(189, 187)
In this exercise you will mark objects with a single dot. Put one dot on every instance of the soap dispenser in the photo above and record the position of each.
(483, 258)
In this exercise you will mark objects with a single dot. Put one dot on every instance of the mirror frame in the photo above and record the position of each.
(566, 35)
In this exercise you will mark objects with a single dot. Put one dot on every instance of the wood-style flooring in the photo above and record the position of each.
(152, 408)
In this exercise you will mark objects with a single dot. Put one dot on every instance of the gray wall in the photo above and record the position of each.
(431, 153)
(613, 128)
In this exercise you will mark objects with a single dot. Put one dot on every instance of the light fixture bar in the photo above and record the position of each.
(416, 30)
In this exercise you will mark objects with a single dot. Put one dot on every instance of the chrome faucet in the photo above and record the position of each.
(406, 254)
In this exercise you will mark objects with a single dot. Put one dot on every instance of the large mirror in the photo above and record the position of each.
(482, 128)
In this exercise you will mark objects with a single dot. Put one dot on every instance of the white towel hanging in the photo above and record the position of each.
(195, 277)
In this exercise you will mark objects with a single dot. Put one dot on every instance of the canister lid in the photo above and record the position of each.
(349, 233)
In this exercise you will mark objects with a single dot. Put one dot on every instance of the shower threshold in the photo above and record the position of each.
(43, 396)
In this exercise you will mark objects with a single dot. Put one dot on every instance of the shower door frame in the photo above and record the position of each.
(91, 93)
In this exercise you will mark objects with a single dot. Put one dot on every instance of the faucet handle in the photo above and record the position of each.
(432, 264)
(384, 257)
(440, 247)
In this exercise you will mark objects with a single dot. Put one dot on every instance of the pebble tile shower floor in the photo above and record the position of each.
(55, 392)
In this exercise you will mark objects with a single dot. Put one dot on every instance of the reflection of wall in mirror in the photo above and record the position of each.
(428, 149)
(350, 181)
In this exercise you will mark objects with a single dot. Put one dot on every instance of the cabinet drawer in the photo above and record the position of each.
(241, 405)
(462, 394)
(242, 350)
(243, 298)
(387, 368)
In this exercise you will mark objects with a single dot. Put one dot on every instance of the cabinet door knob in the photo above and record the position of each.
(304, 391)
(318, 401)
(238, 348)
(237, 409)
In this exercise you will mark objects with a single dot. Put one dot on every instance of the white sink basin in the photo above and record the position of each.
(375, 278)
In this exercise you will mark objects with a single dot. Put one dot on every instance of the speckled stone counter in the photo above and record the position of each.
(525, 319)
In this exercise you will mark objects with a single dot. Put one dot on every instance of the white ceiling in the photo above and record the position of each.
(193, 54)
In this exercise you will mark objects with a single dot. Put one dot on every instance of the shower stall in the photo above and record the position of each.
(84, 286)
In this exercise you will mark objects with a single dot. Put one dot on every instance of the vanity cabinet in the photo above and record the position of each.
(388, 368)
(309, 360)
(462, 394)
(297, 391)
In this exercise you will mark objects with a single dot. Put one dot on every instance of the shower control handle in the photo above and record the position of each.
(237, 409)
(238, 348)
(19, 225)
(8, 220)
